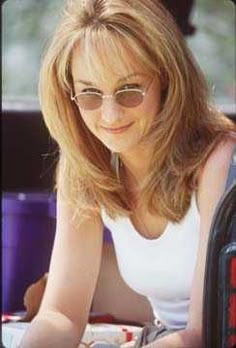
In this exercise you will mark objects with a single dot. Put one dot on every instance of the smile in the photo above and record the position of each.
(117, 130)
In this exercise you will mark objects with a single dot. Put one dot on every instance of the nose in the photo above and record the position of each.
(110, 111)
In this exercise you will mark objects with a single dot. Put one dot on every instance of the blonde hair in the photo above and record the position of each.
(184, 133)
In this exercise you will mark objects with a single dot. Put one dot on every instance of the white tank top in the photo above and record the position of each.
(160, 269)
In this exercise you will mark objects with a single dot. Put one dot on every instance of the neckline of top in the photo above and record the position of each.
(155, 239)
(164, 234)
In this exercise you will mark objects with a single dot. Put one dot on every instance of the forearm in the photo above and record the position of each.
(52, 330)
(180, 339)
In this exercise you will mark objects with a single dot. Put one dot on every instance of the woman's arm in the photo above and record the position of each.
(72, 278)
(211, 187)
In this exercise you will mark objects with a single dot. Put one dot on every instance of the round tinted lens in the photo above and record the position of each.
(89, 101)
(129, 99)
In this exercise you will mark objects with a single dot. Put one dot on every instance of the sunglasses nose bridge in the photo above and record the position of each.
(108, 96)
(108, 100)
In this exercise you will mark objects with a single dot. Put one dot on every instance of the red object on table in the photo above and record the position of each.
(10, 317)
(100, 318)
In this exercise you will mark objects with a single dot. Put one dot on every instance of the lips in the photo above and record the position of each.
(117, 130)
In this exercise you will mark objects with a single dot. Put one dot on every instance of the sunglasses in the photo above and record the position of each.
(127, 97)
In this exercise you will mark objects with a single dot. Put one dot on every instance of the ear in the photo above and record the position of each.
(164, 79)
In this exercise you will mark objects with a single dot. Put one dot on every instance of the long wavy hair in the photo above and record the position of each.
(185, 131)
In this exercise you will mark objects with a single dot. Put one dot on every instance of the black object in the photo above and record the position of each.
(227, 295)
(28, 152)
(220, 269)
(181, 11)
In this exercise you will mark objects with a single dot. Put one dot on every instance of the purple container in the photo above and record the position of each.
(28, 229)
(107, 237)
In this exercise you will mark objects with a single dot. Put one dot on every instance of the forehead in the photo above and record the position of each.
(104, 61)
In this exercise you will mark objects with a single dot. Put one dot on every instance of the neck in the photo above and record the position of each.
(136, 165)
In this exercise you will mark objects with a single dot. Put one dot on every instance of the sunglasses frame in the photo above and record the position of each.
(113, 95)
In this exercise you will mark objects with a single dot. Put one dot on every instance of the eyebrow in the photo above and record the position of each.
(88, 83)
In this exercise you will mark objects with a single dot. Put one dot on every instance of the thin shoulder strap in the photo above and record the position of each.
(232, 170)
(115, 164)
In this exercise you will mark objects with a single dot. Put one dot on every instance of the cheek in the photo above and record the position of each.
(149, 111)
(89, 120)
(154, 103)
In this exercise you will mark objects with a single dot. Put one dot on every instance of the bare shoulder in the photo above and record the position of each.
(213, 177)
(221, 155)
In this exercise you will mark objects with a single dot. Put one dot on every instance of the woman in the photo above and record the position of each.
(141, 151)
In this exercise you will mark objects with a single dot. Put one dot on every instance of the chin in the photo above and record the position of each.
(120, 148)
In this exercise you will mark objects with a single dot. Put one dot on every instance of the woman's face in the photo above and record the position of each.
(121, 129)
